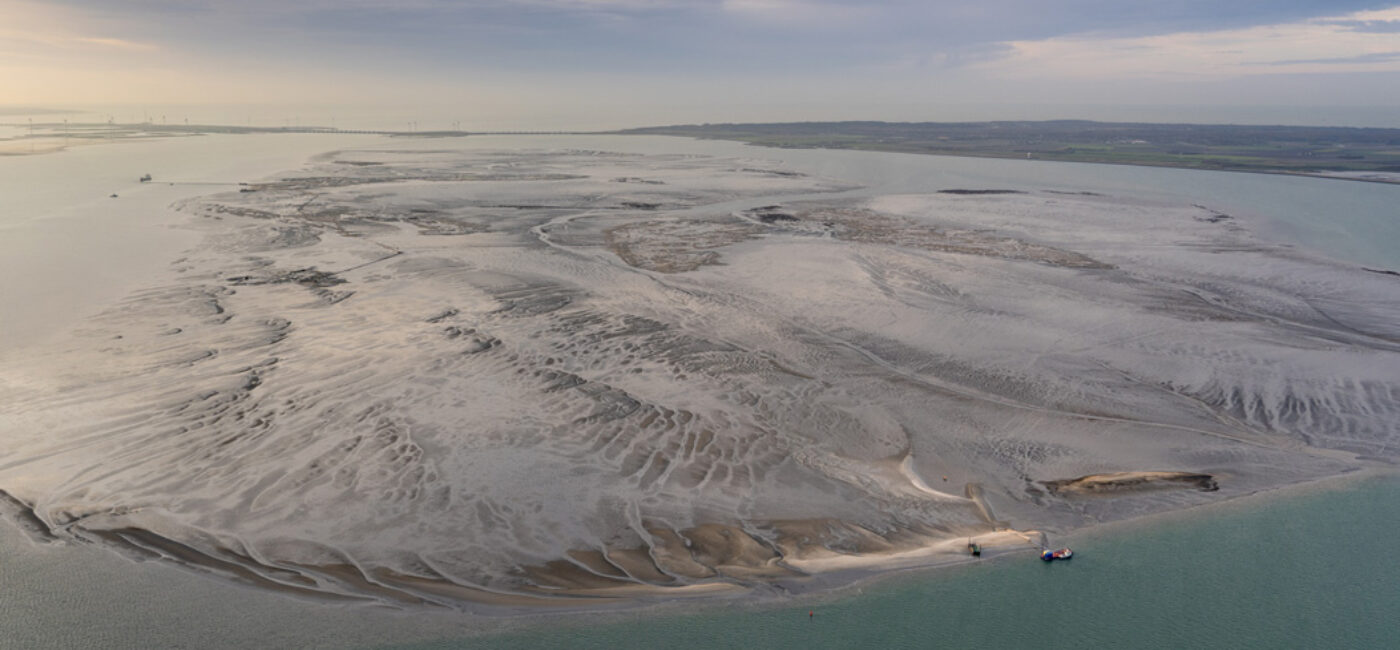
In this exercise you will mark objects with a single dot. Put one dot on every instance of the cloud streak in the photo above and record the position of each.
(1370, 57)
(1370, 26)
(692, 52)
(1329, 42)
(117, 43)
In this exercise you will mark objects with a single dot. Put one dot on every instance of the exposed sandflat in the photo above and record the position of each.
(459, 376)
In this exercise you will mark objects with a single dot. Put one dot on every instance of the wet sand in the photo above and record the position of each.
(492, 379)
(67, 249)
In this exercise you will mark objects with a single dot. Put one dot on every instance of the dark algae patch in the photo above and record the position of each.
(1129, 482)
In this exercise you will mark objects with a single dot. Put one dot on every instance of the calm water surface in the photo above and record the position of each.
(1310, 571)
(1312, 567)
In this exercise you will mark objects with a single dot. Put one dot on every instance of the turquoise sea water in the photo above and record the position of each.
(1307, 567)
(1316, 570)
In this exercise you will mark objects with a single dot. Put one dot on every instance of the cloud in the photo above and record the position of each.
(117, 43)
(959, 56)
(800, 13)
(960, 20)
(39, 33)
(716, 49)
(1324, 44)
(1370, 26)
(1385, 21)
(1371, 57)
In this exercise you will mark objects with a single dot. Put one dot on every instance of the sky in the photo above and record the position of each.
(627, 62)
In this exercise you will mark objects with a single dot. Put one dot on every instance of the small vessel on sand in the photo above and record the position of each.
(1062, 554)
(974, 548)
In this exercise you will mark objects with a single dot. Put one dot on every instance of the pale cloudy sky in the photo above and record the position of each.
(658, 61)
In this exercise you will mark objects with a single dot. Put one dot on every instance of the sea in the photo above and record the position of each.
(1310, 566)
(1314, 569)
(1304, 567)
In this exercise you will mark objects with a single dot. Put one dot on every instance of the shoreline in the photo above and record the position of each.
(530, 622)
(1325, 152)
(83, 233)
(825, 578)
(250, 617)
(146, 132)
(1012, 156)
(874, 579)
(1129, 526)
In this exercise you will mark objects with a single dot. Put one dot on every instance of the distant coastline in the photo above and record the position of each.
(50, 137)
(1345, 153)
(1367, 154)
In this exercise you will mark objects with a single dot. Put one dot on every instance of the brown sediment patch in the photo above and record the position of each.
(639, 564)
(675, 246)
(871, 227)
(354, 579)
(568, 576)
(671, 553)
(733, 552)
(22, 514)
(450, 590)
(153, 544)
(680, 245)
(598, 562)
(809, 537)
(571, 591)
(1117, 482)
(637, 590)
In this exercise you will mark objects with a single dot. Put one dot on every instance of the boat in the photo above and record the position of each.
(146, 178)
(974, 548)
(1062, 554)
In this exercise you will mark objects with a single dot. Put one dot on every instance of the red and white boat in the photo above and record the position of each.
(1062, 554)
